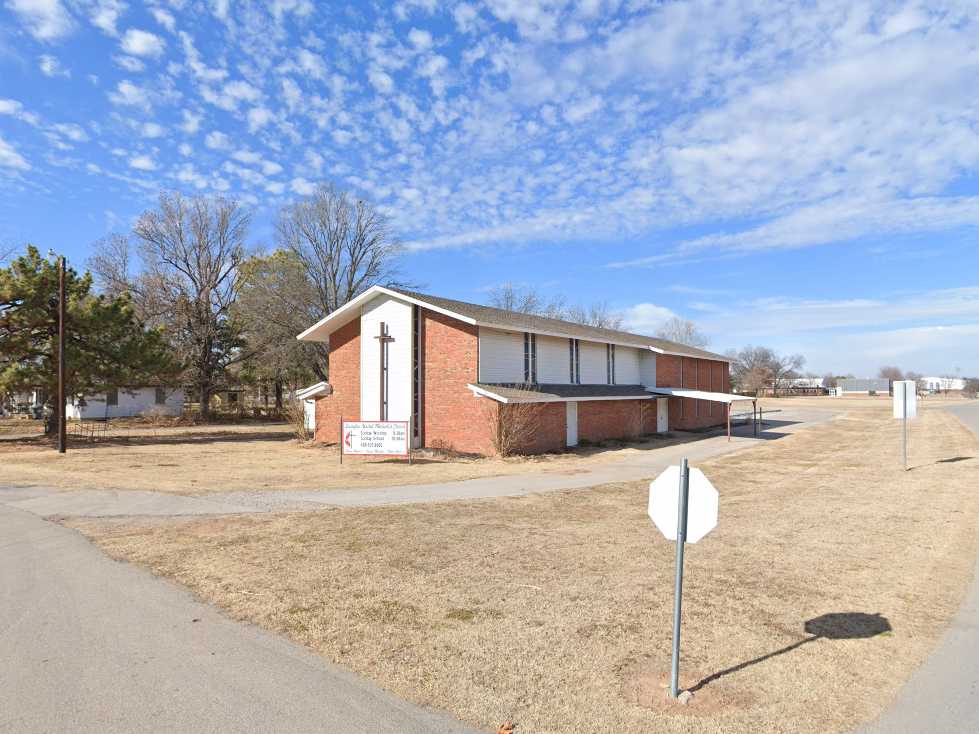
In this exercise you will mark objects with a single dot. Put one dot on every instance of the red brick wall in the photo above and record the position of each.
(601, 420)
(453, 417)
(344, 401)
(552, 426)
(712, 375)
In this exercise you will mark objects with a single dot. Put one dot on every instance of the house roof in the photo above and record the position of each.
(312, 391)
(714, 397)
(556, 393)
(499, 318)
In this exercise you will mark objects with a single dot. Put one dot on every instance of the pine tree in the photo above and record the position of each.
(106, 346)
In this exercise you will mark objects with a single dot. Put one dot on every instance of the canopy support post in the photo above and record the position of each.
(728, 422)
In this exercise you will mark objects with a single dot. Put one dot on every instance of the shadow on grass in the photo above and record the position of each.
(834, 626)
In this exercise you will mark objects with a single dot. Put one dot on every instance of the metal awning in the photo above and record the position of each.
(714, 397)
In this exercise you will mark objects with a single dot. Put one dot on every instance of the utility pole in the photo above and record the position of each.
(62, 429)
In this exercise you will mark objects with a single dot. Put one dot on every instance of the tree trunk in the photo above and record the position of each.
(278, 393)
(51, 423)
(205, 390)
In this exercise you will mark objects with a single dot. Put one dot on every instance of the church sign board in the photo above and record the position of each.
(375, 438)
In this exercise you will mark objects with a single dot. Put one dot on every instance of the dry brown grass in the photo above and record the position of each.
(223, 458)
(547, 608)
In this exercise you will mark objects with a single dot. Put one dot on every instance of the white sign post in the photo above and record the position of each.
(905, 407)
(683, 505)
(374, 438)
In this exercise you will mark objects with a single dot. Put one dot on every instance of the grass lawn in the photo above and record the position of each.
(555, 609)
(222, 458)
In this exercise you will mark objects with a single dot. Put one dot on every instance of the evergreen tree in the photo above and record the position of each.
(106, 346)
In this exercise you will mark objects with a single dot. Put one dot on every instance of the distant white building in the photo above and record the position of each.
(879, 385)
(807, 382)
(126, 402)
(943, 384)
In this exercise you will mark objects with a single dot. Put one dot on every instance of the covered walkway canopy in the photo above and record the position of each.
(714, 397)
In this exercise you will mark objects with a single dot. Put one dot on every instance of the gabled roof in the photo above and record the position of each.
(498, 318)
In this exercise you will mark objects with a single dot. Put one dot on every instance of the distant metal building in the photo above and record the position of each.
(865, 386)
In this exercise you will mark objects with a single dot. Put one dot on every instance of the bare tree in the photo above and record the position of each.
(276, 302)
(525, 299)
(189, 251)
(6, 251)
(683, 331)
(344, 246)
(514, 427)
(890, 373)
(754, 368)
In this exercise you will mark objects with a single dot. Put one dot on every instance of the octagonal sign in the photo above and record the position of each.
(664, 501)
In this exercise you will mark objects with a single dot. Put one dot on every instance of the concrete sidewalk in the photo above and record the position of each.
(87, 503)
(91, 645)
(943, 694)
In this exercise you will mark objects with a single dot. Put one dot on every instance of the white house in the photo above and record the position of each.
(126, 402)
(943, 384)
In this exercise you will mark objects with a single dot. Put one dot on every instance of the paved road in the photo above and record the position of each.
(642, 465)
(91, 645)
(943, 694)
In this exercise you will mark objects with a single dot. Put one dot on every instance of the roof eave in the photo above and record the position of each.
(347, 313)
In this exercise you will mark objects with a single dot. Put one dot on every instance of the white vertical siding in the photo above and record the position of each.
(647, 369)
(397, 316)
(593, 365)
(627, 366)
(553, 361)
(501, 356)
(139, 401)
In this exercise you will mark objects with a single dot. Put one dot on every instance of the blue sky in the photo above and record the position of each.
(799, 175)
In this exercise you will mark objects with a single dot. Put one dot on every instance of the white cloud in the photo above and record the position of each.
(421, 40)
(46, 20)
(645, 318)
(191, 123)
(142, 163)
(464, 15)
(832, 221)
(50, 66)
(271, 168)
(246, 156)
(382, 81)
(576, 112)
(291, 93)
(130, 95)
(164, 18)
(105, 15)
(185, 149)
(152, 130)
(311, 64)
(258, 117)
(142, 43)
(73, 132)
(10, 158)
(129, 63)
(302, 187)
(217, 141)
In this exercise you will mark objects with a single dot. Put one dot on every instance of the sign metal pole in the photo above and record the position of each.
(61, 411)
(904, 425)
(340, 434)
(681, 538)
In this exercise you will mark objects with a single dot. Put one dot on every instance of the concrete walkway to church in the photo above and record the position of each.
(642, 465)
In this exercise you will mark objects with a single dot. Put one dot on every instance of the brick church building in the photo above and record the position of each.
(449, 367)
